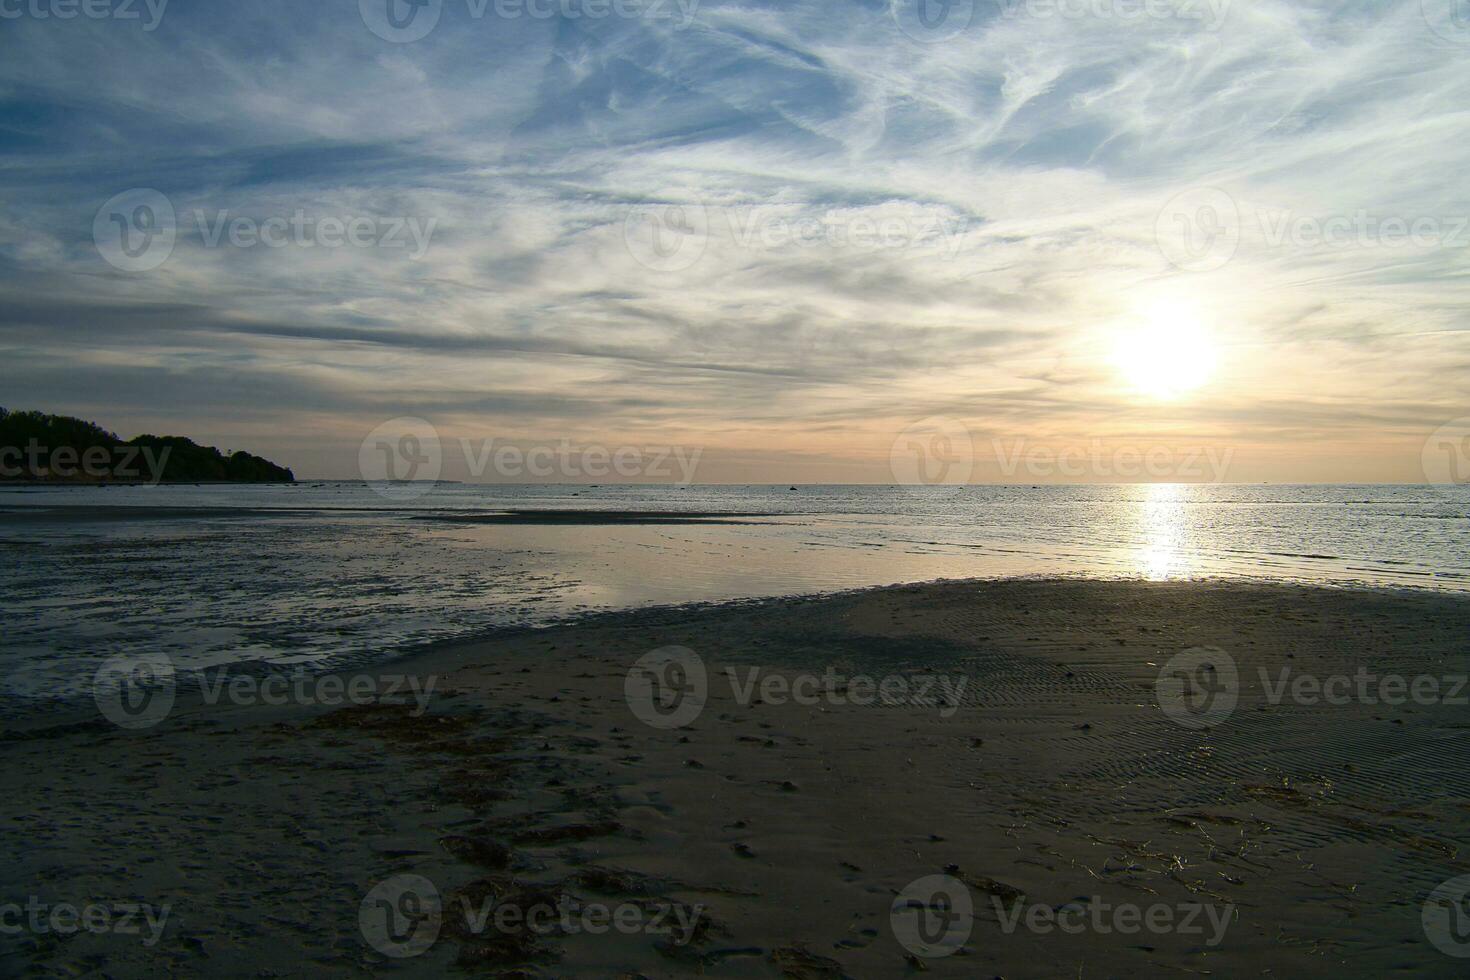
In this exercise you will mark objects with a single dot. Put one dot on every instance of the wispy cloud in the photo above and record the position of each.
(765, 228)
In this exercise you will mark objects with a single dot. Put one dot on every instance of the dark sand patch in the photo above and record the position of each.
(1057, 781)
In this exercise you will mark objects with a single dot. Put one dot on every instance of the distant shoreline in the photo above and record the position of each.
(52, 484)
(36, 447)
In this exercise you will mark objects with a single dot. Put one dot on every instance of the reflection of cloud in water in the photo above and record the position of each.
(331, 575)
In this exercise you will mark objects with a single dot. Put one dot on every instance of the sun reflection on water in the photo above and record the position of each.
(1164, 531)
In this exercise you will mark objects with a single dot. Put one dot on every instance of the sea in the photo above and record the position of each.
(323, 575)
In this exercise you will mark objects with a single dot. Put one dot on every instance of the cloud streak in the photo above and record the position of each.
(761, 228)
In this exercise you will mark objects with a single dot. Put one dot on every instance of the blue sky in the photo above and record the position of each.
(779, 232)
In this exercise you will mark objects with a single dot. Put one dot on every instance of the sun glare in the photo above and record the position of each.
(1166, 351)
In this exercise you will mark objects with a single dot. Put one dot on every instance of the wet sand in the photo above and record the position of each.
(1055, 777)
(598, 517)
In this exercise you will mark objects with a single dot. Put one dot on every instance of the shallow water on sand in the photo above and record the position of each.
(326, 574)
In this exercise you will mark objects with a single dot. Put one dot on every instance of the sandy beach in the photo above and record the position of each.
(650, 489)
(770, 817)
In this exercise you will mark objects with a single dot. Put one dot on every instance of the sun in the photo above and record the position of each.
(1166, 351)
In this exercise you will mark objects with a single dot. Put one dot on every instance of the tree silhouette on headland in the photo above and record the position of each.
(62, 449)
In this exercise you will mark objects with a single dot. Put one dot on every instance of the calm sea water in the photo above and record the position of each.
(333, 573)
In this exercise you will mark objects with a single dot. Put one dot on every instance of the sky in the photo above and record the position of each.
(984, 240)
